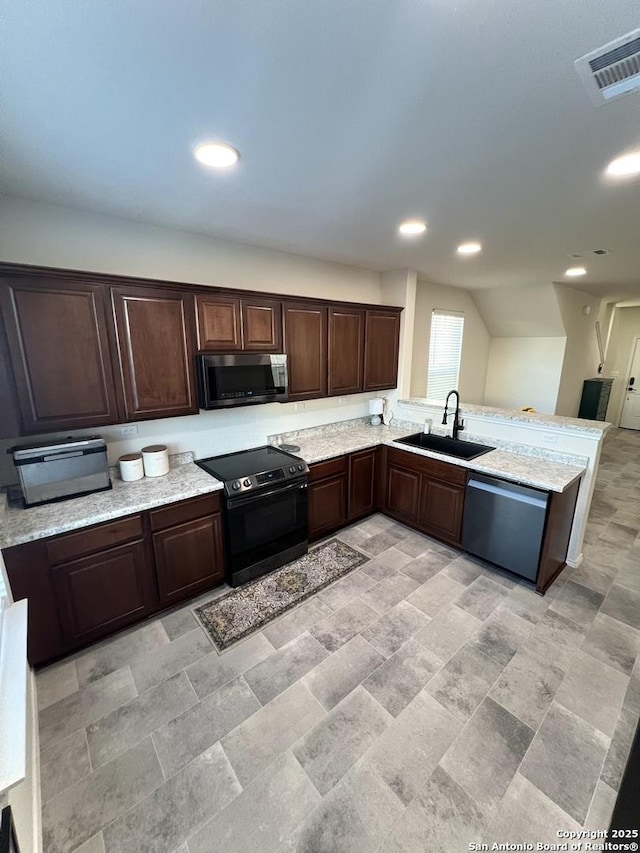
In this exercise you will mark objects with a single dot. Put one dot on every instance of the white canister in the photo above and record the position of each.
(131, 467)
(156, 460)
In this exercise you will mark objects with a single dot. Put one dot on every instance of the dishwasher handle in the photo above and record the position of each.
(503, 490)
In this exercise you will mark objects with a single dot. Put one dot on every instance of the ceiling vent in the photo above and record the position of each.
(613, 70)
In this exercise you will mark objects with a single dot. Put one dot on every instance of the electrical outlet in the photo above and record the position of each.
(129, 430)
(342, 401)
(550, 438)
(298, 407)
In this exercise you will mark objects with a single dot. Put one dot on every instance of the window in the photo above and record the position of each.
(445, 348)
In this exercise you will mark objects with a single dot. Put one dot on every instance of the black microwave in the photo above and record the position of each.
(241, 379)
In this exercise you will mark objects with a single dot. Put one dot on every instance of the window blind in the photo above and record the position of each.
(445, 348)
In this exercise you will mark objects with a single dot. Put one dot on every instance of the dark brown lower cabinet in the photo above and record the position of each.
(402, 496)
(103, 592)
(87, 584)
(425, 493)
(327, 496)
(441, 508)
(557, 532)
(363, 483)
(188, 558)
(30, 577)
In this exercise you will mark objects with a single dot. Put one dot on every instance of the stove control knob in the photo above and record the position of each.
(235, 486)
(246, 483)
(292, 470)
(300, 467)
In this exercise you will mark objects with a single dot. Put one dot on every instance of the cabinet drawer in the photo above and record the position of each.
(425, 465)
(92, 539)
(183, 511)
(320, 470)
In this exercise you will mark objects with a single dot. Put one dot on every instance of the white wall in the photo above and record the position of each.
(398, 287)
(581, 357)
(213, 433)
(524, 372)
(56, 236)
(475, 343)
(626, 326)
(542, 346)
(520, 312)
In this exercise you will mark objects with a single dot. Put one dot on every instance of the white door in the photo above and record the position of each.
(631, 408)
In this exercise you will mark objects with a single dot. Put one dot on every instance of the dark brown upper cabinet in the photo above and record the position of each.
(232, 323)
(59, 353)
(83, 349)
(10, 425)
(219, 323)
(346, 345)
(382, 339)
(261, 324)
(305, 342)
(156, 352)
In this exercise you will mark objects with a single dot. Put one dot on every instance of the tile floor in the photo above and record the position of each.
(421, 703)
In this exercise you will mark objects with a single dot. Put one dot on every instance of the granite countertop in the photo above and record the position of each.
(187, 480)
(535, 468)
(319, 443)
(534, 418)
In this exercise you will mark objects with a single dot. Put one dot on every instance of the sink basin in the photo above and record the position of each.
(449, 446)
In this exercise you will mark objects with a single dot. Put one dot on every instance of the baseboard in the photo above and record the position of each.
(573, 564)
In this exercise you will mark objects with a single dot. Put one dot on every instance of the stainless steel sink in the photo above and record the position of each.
(449, 446)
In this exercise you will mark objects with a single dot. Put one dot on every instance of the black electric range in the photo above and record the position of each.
(265, 509)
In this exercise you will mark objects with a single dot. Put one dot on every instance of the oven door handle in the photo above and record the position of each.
(233, 503)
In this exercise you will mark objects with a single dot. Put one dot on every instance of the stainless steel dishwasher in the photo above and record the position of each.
(504, 523)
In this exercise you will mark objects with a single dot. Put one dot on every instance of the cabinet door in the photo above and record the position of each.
(59, 350)
(441, 509)
(261, 325)
(188, 558)
(155, 342)
(30, 577)
(327, 505)
(10, 426)
(346, 346)
(219, 323)
(363, 483)
(403, 494)
(305, 342)
(99, 594)
(382, 339)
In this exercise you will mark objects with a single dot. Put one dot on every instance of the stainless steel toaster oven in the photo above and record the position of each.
(64, 469)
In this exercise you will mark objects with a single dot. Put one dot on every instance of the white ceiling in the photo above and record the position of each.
(350, 115)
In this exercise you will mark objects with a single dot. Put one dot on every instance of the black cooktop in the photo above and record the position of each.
(253, 469)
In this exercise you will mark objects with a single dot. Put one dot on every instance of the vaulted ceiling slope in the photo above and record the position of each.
(349, 117)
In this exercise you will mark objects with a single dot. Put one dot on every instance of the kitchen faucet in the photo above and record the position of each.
(457, 423)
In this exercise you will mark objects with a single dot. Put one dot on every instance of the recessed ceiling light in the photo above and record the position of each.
(218, 155)
(469, 248)
(575, 271)
(625, 165)
(412, 227)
